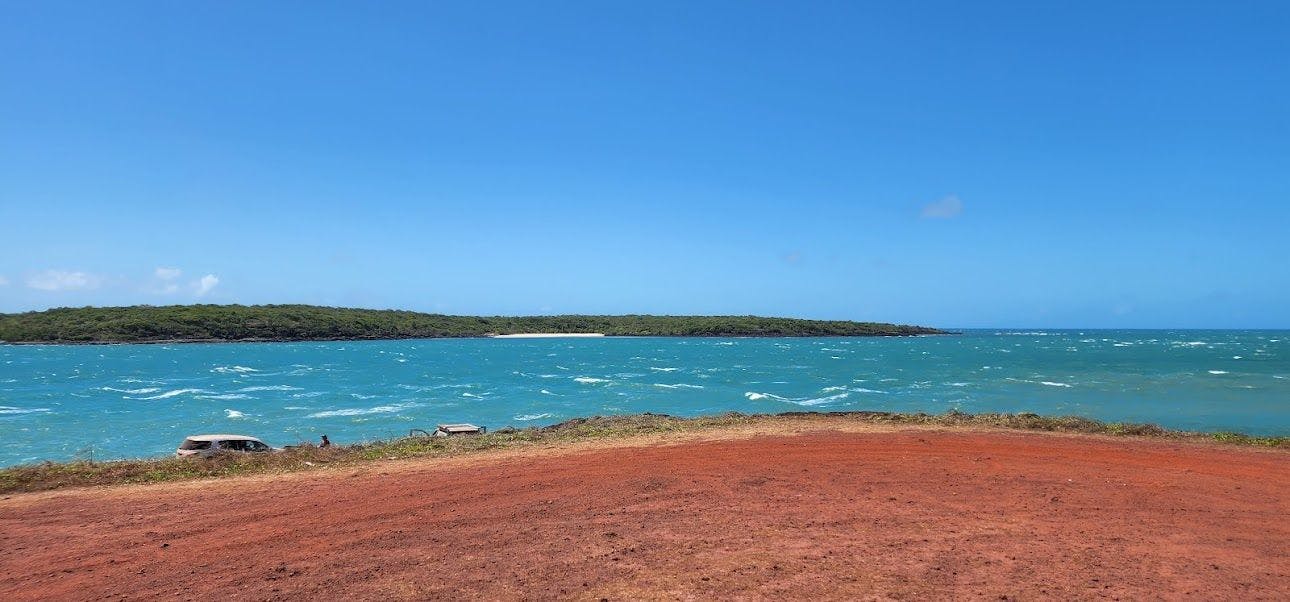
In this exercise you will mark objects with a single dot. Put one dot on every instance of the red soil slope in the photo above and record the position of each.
(889, 515)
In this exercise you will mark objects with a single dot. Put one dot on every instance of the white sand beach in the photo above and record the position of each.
(548, 335)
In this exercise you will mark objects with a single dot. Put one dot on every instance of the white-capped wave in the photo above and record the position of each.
(801, 401)
(269, 388)
(818, 400)
(587, 380)
(528, 417)
(669, 369)
(142, 391)
(1053, 384)
(232, 369)
(678, 386)
(233, 414)
(308, 394)
(169, 394)
(10, 410)
(1218, 371)
(225, 396)
(362, 411)
(545, 392)
(468, 394)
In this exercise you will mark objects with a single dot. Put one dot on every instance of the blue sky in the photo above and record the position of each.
(954, 164)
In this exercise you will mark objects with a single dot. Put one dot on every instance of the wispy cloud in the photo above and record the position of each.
(164, 281)
(61, 280)
(168, 273)
(4, 281)
(205, 284)
(945, 208)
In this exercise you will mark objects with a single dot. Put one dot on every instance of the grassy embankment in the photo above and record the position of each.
(50, 475)
(179, 323)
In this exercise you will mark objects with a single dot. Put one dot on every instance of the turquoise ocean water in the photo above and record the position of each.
(57, 402)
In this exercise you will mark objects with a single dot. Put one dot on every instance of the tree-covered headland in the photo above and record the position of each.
(145, 323)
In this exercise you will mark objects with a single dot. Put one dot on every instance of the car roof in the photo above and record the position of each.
(222, 438)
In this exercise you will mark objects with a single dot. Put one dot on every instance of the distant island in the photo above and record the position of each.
(227, 323)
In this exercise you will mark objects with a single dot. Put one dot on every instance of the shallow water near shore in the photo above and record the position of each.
(121, 401)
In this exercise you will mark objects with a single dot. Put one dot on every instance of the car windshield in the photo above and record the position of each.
(190, 444)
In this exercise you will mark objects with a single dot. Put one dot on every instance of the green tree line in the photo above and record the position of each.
(144, 323)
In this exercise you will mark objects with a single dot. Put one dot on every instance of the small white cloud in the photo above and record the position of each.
(168, 273)
(205, 284)
(945, 208)
(60, 280)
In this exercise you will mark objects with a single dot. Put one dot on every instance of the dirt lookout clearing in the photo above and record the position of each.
(808, 509)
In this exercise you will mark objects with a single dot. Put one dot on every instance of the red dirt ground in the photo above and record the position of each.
(908, 514)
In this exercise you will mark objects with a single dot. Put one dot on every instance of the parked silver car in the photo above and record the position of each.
(208, 445)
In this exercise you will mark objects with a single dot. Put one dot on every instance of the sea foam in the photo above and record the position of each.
(818, 400)
(10, 410)
(142, 391)
(528, 417)
(362, 411)
(169, 394)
